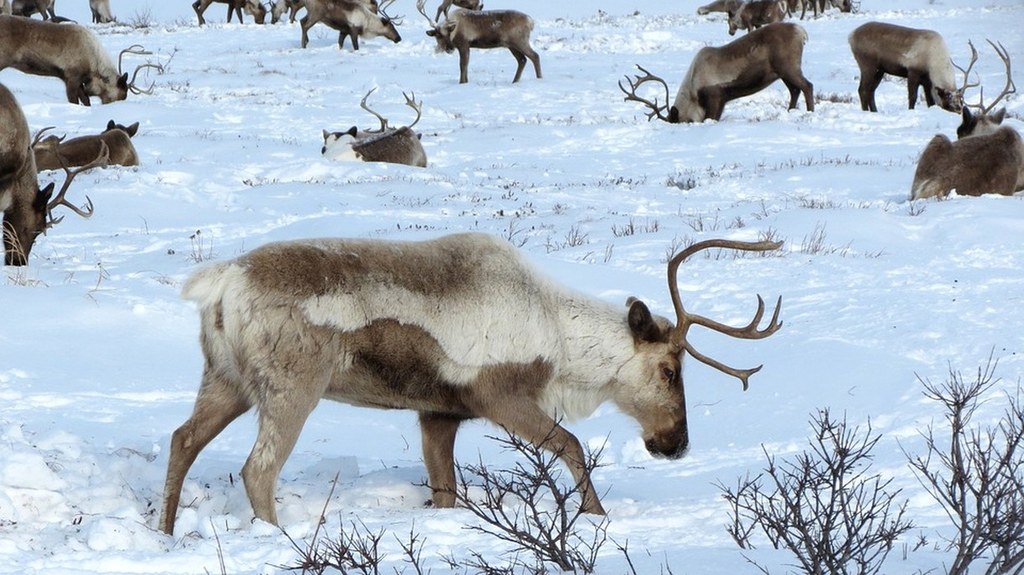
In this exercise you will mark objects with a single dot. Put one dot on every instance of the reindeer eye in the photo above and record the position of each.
(668, 374)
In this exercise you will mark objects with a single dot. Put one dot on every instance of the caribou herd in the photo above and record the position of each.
(343, 312)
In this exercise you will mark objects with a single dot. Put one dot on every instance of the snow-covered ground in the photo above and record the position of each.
(99, 358)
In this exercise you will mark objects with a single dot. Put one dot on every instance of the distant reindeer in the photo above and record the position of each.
(446, 5)
(27, 208)
(819, 6)
(740, 68)
(252, 7)
(52, 153)
(455, 328)
(351, 18)
(467, 29)
(100, 11)
(69, 52)
(755, 14)
(277, 9)
(28, 8)
(390, 145)
(728, 6)
(920, 56)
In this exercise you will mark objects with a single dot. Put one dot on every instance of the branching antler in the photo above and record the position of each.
(410, 100)
(967, 72)
(139, 50)
(1009, 88)
(382, 10)
(656, 110)
(421, 7)
(684, 320)
(383, 120)
(102, 159)
(39, 136)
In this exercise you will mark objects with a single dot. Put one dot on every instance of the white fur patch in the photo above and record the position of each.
(338, 147)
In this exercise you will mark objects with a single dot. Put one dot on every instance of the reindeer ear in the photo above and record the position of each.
(641, 322)
(111, 125)
(132, 129)
(43, 198)
(432, 32)
(966, 115)
(999, 116)
(122, 82)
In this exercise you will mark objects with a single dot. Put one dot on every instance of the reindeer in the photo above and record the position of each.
(454, 328)
(100, 11)
(467, 29)
(277, 9)
(464, 4)
(252, 7)
(352, 18)
(52, 152)
(28, 8)
(756, 13)
(728, 6)
(27, 208)
(742, 67)
(390, 145)
(69, 52)
(920, 56)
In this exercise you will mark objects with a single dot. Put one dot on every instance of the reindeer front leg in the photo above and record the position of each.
(463, 63)
(437, 432)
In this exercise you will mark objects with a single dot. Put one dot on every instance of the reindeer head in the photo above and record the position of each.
(439, 31)
(657, 398)
(985, 121)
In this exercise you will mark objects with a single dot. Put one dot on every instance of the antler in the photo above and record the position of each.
(967, 72)
(631, 93)
(412, 103)
(39, 136)
(421, 7)
(139, 50)
(102, 159)
(685, 320)
(383, 120)
(1009, 88)
(383, 6)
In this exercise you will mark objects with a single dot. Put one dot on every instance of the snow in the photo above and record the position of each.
(99, 357)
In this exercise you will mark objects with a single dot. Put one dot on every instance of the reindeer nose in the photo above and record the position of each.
(672, 449)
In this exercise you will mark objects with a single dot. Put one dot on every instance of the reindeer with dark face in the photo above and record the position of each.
(467, 29)
(351, 18)
(52, 153)
(920, 56)
(740, 68)
(753, 14)
(69, 52)
(253, 7)
(26, 207)
(455, 328)
(389, 145)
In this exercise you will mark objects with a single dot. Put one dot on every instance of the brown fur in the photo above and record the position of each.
(753, 14)
(985, 124)
(351, 18)
(84, 149)
(66, 51)
(252, 7)
(728, 6)
(920, 56)
(988, 164)
(445, 5)
(100, 11)
(467, 29)
(28, 8)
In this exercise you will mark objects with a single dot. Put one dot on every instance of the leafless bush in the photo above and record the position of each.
(824, 505)
(977, 473)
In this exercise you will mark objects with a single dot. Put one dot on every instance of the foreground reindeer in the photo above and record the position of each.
(252, 7)
(390, 145)
(920, 56)
(351, 18)
(69, 52)
(740, 68)
(756, 13)
(25, 206)
(455, 328)
(467, 29)
(52, 152)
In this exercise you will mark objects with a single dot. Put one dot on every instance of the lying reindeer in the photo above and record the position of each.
(391, 145)
(467, 29)
(52, 152)
(351, 18)
(455, 328)
(27, 208)
(756, 13)
(252, 7)
(988, 157)
(920, 56)
(69, 52)
(742, 67)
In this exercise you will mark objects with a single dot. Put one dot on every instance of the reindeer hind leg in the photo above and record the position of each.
(520, 63)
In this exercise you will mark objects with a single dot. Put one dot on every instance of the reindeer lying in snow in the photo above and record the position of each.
(52, 153)
(69, 52)
(390, 145)
(352, 18)
(27, 208)
(455, 328)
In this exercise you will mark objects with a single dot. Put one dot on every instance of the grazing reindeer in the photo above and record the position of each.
(69, 52)
(756, 13)
(252, 7)
(742, 67)
(100, 11)
(819, 6)
(52, 152)
(390, 145)
(352, 18)
(27, 8)
(465, 4)
(467, 29)
(728, 6)
(26, 207)
(277, 9)
(920, 56)
(455, 328)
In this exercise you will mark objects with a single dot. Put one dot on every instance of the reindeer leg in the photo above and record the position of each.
(463, 63)
(520, 63)
(217, 405)
(869, 81)
(438, 436)
(305, 24)
(200, 7)
(534, 57)
(797, 85)
(927, 86)
(913, 81)
(354, 34)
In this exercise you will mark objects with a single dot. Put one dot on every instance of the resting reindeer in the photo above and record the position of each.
(920, 56)
(351, 18)
(390, 145)
(52, 153)
(988, 157)
(252, 7)
(742, 67)
(69, 52)
(455, 328)
(756, 13)
(467, 29)
(27, 207)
